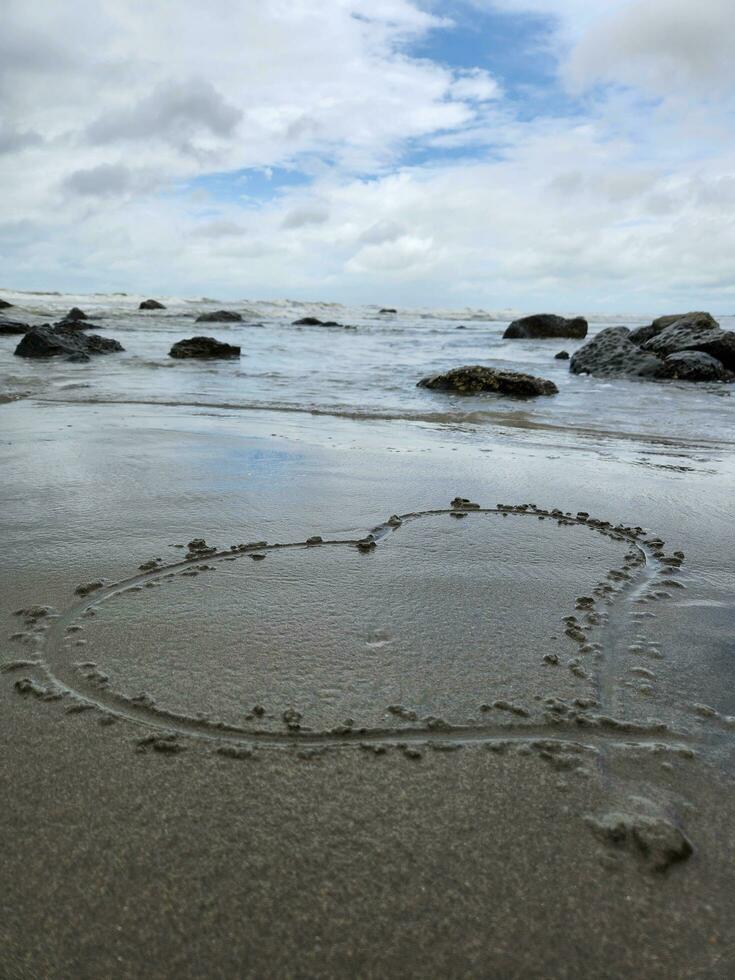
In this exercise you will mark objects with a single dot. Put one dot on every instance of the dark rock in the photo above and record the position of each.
(642, 334)
(388, 310)
(721, 346)
(219, 316)
(94, 344)
(693, 365)
(661, 322)
(474, 378)
(4, 304)
(543, 325)
(203, 347)
(694, 335)
(46, 341)
(12, 326)
(88, 343)
(612, 353)
(312, 321)
(75, 314)
(563, 355)
(151, 304)
(75, 325)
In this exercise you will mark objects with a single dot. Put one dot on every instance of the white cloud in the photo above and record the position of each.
(664, 47)
(173, 112)
(307, 215)
(475, 85)
(112, 133)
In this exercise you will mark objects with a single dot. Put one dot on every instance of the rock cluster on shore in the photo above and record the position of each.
(202, 347)
(541, 326)
(473, 379)
(48, 341)
(686, 347)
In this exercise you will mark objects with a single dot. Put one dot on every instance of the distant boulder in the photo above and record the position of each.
(47, 341)
(206, 347)
(388, 309)
(75, 314)
(4, 304)
(151, 304)
(563, 355)
(611, 353)
(312, 321)
(473, 379)
(12, 326)
(75, 325)
(219, 316)
(75, 319)
(693, 365)
(546, 325)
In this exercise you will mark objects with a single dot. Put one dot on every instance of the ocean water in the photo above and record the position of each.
(367, 372)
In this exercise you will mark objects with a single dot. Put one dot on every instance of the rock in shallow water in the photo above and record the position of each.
(203, 347)
(313, 321)
(648, 352)
(75, 314)
(611, 353)
(694, 335)
(694, 365)
(219, 316)
(12, 326)
(4, 304)
(151, 304)
(543, 325)
(642, 334)
(46, 341)
(474, 378)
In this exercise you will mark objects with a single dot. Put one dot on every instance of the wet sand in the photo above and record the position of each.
(533, 818)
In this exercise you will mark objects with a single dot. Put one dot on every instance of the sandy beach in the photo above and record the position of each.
(359, 761)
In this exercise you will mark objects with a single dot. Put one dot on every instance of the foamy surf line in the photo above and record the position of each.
(446, 419)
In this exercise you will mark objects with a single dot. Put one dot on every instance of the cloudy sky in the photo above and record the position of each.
(561, 154)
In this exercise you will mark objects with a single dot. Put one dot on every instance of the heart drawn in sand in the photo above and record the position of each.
(442, 623)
